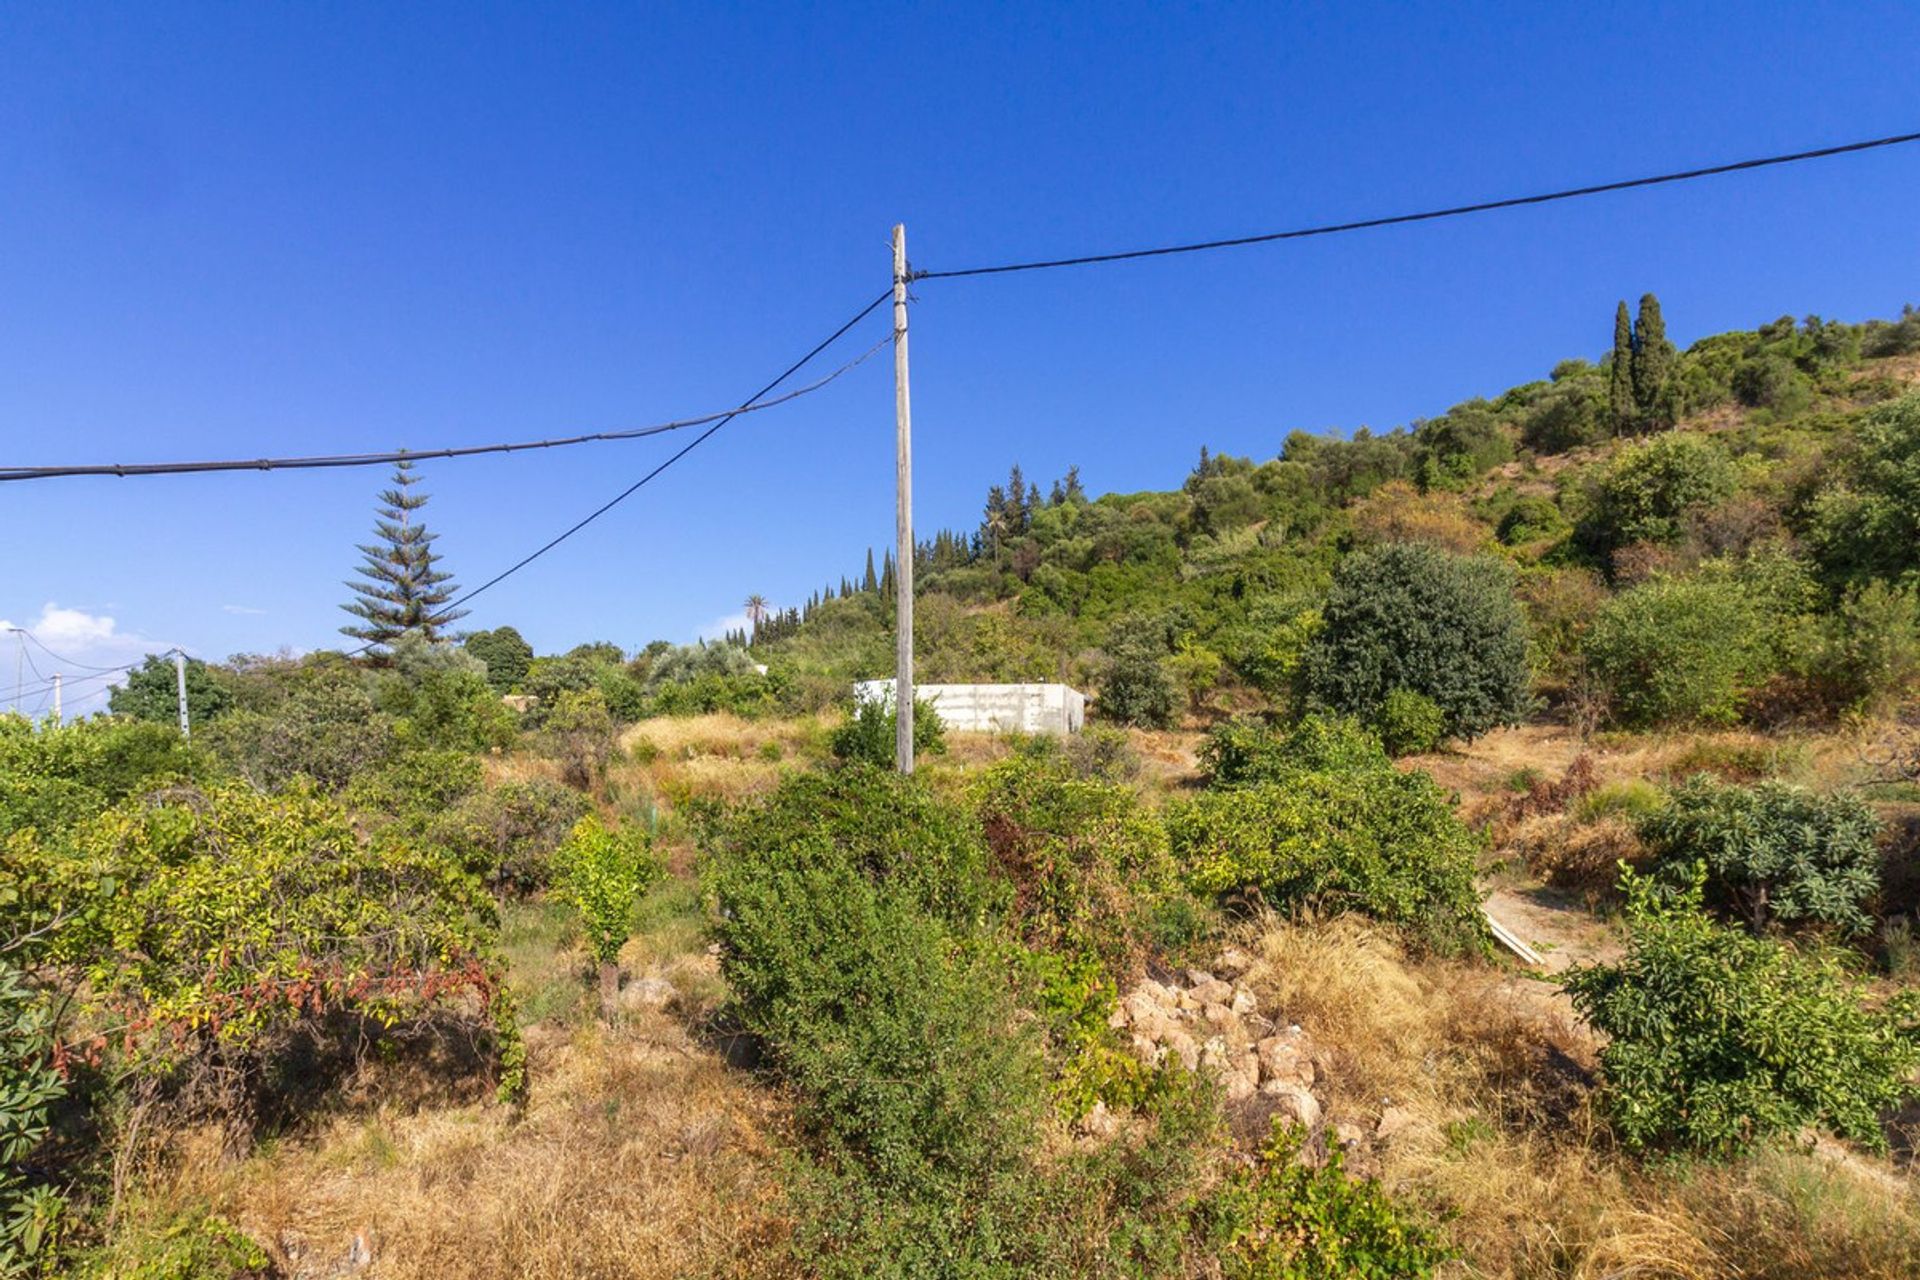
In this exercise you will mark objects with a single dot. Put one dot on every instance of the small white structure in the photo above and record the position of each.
(992, 708)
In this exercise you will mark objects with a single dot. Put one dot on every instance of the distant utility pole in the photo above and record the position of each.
(56, 698)
(903, 516)
(180, 690)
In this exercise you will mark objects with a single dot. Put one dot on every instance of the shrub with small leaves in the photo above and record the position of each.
(868, 734)
(1286, 1219)
(603, 872)
(1409, 723)
(1719, 1040)
(29, 1086)
(1773, 854)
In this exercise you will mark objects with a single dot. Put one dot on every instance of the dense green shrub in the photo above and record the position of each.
(1869, 654)
(219, 928)
(1427, 621)
(1531, 519)
(1718, 1040)
(1866, 523)
(869, 734)
(1648, 491)
(1137, 686)
(54, 777)
(1243, 751)
(1675, 651)
(1286, 1218)
(29, 1086)
(326, 728)
(1772, 853)
(507, 834)
(1322, 821)
(1409, 723)
(852, 913)
(1088, 864)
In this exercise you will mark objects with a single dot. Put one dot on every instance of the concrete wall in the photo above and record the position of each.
(992, 708)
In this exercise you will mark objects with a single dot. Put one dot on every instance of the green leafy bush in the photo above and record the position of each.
(1241, 752)
(579, 733)
(1323, 821)
(1410, 723)
(325, 728)
(54, 777)
(219, 929)
(1648, 491)
(507, 834)
(868, 734)
(1413, 617)
(1772, 853)
(1138, 687)
(1088, 864)
(1870, 650)
(1675, 651)
(1285, 1218)
(852, 920)
(29, 1086)
(152, 693)
(1719, 1040)
(506, 655)
(603, 873)
(1866, 523)
(1531, 519)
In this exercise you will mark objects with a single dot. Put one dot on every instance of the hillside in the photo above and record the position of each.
(457, 961)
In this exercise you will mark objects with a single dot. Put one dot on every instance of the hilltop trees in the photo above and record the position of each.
(152, 692)
(403, 590)
(1641, 392)
(507, 655)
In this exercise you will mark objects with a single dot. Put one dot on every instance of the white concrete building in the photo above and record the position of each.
(992, 708)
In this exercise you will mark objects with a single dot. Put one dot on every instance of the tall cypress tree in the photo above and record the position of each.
(1653, 359)
(870, 583)
(403, 590)
(1620, 402)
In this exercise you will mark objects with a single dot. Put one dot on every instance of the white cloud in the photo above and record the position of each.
(718, 628)
(245, 609)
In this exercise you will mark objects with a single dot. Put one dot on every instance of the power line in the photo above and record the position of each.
(686, 449)
(375, 459)
(38, 644)
(1430, 215)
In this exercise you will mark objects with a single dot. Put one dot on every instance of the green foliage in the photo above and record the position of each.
(1410, 723)
(325, 728)
(1322, 821)
(1138, 688)
(506, 834)
(184, 1244)
(506, 654)
(1531, 519)
(1675, 651)
(579, 734)
(1652, 368)
(869, 733)
(1088, 865)
(152, 693)
(1870, 651)
(218, 927)
(851, 914)
(1285, 1218)
(54, 777)
(1414, 617)
(1075, 995)
(29, 1086)
(1866, 524)
(1649, 491)
(1772, 853)
(1719, 1040)
(1463, 444)
(603, 873)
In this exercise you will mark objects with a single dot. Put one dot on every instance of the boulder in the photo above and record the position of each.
(1293, 1103)
(1286, 1058)
(1232, 963)
(1243, 1002)
(647, 993)
(1212, 991)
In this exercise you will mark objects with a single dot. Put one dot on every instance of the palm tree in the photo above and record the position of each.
(756, 608)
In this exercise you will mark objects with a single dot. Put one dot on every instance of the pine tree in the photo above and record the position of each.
(1653, 359)
(1016, 502)
(1620, 377)
(1033, 505)
(1074, 492)
(404, 591)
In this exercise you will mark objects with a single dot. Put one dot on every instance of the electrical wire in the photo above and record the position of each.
(1430, 215)
(686, 449)
(405, 455)
(38, 644)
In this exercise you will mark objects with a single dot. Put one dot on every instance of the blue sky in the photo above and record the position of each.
(234, 230)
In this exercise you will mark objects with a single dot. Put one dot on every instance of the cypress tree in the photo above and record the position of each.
(886, 575)
(1652, 365)
(1620, 401)
(870, 583)
(403, 590)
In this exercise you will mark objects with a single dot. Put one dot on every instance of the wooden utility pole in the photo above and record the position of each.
(903, 516)
(58, 717)
(180, 690)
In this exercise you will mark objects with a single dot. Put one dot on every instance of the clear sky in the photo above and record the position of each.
(230, 230)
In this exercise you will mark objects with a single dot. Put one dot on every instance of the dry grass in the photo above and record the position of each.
(1490, 1078)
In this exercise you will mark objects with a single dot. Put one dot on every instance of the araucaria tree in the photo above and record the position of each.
(403, 590)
